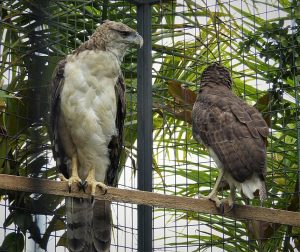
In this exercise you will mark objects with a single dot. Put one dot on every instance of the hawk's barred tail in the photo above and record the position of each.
(89, 225)
(263, 193)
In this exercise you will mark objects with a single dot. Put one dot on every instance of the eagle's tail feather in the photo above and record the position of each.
(79, 221)
(88, 225)
(102, 231)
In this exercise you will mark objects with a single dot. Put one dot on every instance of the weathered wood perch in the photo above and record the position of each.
(44, 186)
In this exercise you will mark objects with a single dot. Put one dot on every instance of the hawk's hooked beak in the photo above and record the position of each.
(137, 40)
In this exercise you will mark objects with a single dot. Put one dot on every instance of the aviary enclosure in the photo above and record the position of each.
(259, 41)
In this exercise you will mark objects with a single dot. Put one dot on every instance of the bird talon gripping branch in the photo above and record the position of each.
(82, 186)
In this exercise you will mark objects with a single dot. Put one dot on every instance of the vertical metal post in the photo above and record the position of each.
(144, 127)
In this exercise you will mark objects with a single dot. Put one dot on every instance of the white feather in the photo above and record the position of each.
(248, 187)
(88, 104)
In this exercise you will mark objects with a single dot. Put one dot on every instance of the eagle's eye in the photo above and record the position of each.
(124, 33)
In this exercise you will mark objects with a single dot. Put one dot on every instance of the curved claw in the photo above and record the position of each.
(102, 187)
(214, 198)
(230, 205)
(104, 190)
(94, 184)
(92, 199)
(222, 208)
(82, 186)
(219, 203)
(71, 180)
(224, 205)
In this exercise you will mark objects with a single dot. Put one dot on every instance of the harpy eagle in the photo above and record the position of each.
(234, 134)
(87, 118)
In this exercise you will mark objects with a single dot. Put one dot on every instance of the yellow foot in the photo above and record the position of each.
(93, 184)
(72, 180)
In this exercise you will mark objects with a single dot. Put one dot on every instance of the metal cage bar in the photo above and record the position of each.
(144, 126)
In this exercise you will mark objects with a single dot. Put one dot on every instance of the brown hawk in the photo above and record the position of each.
(87, 118)
(234, 134)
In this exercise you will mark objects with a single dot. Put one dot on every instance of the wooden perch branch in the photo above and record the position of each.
(43, 186)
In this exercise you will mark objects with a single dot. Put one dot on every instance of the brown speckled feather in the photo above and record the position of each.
(234, 130)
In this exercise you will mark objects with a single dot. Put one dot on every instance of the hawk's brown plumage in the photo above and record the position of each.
(234, 133)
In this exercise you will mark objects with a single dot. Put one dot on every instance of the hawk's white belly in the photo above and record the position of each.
(88, 106)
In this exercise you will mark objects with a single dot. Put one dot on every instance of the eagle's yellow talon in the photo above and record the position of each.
(93, 184)
(72, 180)
(62, 177)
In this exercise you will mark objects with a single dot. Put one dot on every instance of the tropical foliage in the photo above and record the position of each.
(261, 48)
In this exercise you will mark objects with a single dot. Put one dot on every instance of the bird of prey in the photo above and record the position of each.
(234, 134)
(87, 118)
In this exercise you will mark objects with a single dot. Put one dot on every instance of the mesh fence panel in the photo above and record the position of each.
(257, 41)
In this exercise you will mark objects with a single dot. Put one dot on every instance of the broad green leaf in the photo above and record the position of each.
(13, 242)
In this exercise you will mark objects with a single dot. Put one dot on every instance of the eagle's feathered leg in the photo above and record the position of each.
(91, 181)
(213, 194)
(74, 173)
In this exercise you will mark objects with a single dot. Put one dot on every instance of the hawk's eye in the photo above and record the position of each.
(125, 33)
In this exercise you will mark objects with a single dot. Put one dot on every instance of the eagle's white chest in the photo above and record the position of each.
(88, 106)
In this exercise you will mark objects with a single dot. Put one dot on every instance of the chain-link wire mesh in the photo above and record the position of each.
(258, 41)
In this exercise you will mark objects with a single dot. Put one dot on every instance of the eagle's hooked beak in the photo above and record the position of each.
(138, 40)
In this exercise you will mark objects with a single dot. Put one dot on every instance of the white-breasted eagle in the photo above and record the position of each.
(234, 134)
(87, 118)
